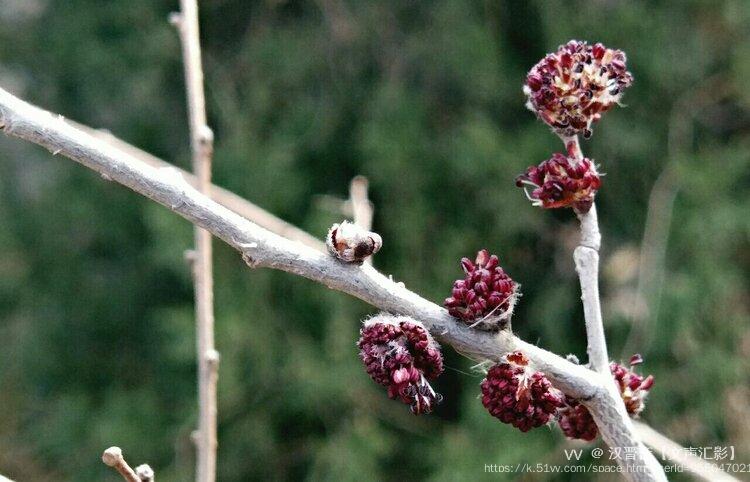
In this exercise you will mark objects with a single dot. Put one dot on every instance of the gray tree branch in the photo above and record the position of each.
(201, 140)
(226, 198)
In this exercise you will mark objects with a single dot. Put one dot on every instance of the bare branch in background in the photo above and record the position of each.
(660, 208)
(261, 248)
(201, 139)
(112, 457)
(362, 208)
(675, 453)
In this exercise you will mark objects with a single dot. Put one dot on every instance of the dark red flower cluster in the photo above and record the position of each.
(486, 296)
(576, 422)
(562, 181)
(517, 396)
(633, 387)
(571, 88)
(400, 354)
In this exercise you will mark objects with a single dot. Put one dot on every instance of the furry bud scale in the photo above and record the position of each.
(352, 244)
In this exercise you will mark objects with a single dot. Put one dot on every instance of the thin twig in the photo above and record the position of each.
(113, 458)
(362, 208)
(227, 198)
(586, 257)
(660, 207)
(261, 248)
(201, 138)
(676, 454)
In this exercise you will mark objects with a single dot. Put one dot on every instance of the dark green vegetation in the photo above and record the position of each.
(96, 316)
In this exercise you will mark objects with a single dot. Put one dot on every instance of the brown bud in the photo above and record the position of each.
(351, 243)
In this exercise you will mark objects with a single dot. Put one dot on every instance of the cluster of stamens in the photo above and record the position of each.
(633, 387)
(486, 296)
(400, 354)
(570, 89)
(561, 181)
(575, 420)
(516, 395)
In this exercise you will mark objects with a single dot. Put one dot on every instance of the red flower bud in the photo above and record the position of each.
(561, 182)
(486, 296)
(633, 387)
(576, 422)
(516, 395)
(400, 354)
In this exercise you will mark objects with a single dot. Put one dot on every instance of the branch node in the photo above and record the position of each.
(205, 135)
(212, 357)
(249, 260)
(145, 473)
(175, 19)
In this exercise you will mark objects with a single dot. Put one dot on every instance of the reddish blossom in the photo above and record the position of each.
(486, 296)
(576, 422)
(516, 395)
(400, 354)
(633, 387)
(570, 89)
(561, 182)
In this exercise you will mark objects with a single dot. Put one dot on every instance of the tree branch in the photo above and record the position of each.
(586, 257)
(226, 198)
(675, 453)
(362, 209)
(112, 457)
(201, 138)
(262, 248)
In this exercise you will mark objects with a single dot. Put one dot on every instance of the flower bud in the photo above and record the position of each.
(352, 244)
(486, 296)
(633, 387)
(399, 353)
(561, 182)
(571, 88)
(516, 395)
(576, 422)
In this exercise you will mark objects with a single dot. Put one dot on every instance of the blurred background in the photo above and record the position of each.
(424, 98)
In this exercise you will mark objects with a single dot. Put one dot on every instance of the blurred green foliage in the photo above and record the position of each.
(424, 99)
